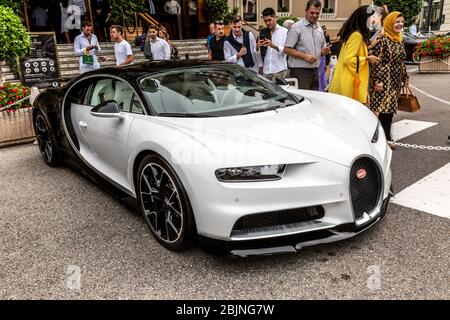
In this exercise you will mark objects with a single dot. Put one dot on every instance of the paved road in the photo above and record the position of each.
(55, 223)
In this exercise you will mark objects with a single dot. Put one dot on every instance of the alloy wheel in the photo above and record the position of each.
(44, 139)
(161, 202)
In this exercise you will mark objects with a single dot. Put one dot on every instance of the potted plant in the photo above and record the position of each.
(16, 124)
(281, 20)
(433, 54)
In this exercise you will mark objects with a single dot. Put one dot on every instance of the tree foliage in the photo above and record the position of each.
(125, 10)
(15, 5)
(216, 9)
(14, 39)
(280, 21)
(409, 8)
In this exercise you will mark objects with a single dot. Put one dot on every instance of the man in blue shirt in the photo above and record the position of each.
(86, 47)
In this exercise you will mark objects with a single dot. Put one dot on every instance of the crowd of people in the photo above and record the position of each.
(65, 17)
(156, 46)
(370, 67)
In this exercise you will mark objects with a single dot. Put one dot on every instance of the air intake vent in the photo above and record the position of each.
(365, 186)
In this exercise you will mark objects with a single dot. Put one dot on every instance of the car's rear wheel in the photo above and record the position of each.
(45, 141)
(164, 203)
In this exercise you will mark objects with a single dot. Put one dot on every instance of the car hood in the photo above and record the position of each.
(326, 126)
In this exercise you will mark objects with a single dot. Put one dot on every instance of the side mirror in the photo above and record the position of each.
(281, 82)
(107, 109)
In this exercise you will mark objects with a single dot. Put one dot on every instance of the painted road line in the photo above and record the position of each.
(429, 95)
(430, 194)
(404, 128)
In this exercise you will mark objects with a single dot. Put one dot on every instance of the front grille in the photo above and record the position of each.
(256, 222)
(365, 192)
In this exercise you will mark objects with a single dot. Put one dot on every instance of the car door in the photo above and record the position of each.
(104, 140)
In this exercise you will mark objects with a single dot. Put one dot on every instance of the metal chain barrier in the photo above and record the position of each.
(421, 147)
(424, 62)
(12, 105)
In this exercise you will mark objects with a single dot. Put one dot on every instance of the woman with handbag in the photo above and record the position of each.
(389, 76)
(351, 74)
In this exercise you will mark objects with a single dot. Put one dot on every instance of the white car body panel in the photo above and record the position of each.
(319, 138)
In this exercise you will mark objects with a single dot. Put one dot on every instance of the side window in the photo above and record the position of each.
(103, 91)
(136, 106)
(117, 90)
(77, 94)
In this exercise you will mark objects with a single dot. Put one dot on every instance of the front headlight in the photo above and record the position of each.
(248, 174)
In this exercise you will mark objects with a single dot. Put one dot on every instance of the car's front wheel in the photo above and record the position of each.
(164, 203)
(45, 141)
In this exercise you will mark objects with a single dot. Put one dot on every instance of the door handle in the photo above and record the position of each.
(82, 124)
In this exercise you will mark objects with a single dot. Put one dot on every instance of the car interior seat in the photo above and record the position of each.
(123, 95)
(103, 91)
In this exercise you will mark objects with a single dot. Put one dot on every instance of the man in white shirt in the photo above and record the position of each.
(240, 46)
(122, 49)
(86, 47)
(172, 7)
(156, 48)
(271, 42)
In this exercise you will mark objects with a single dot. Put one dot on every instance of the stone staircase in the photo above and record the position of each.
(69, 63)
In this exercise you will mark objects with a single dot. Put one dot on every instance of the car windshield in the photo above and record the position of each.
(212, 91)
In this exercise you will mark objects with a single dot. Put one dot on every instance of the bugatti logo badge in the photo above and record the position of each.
(361, 174)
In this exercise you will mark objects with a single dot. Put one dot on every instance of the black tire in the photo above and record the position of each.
(164, 203)
(46, 143)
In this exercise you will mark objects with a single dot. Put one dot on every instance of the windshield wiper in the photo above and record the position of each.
(273, 105)
(185, 115)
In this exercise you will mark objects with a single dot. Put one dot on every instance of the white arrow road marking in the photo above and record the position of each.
(430, 194)
(404, 128)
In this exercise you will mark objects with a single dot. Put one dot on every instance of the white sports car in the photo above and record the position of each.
(217, 154)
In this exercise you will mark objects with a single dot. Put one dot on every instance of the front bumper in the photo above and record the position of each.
(290, 243)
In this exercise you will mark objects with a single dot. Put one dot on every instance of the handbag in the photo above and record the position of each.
(408, 101)
(356, 81)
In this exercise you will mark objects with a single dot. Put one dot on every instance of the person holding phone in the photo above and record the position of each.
(305, 45)
(86, 47)
(271, 46)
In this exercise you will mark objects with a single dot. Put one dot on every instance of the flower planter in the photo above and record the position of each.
(433, 64)
(16, 127)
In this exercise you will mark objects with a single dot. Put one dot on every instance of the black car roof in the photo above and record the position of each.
(155, 66)
(134, 71)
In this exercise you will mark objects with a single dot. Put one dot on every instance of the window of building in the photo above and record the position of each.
(250, 9)
(284, 6)
(431, 15)
(329, 6)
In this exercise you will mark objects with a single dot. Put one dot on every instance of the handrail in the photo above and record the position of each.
(25, 12)
(247, 24)
(149, 19)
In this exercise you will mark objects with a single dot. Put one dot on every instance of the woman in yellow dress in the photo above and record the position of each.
(351, 74)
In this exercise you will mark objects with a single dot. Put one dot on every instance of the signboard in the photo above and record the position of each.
(41, 68)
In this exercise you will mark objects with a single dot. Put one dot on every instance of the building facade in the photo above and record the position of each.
(445, 26)
(432, 15)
